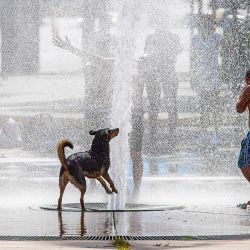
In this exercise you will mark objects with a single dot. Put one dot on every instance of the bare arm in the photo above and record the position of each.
(57, 41)
(244, 100)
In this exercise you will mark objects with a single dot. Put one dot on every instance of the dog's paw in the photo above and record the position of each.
(242, 206)
(108, 191)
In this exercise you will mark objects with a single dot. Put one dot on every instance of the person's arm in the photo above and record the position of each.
(57, 41)
(244, 100)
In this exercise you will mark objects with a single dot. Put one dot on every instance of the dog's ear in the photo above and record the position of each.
(92, 132)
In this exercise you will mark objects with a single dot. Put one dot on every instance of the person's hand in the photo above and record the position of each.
(57, 41)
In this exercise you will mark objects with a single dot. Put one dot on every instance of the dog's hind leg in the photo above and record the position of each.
(63, 181)
(83, 191)
(111, 183)
(100, 179)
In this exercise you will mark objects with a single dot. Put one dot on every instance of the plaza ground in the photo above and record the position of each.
(29, 179)
(140, 245)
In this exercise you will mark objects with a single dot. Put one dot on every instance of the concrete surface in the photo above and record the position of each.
(139, 245)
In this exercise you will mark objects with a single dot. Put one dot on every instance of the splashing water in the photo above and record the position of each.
(127, 29)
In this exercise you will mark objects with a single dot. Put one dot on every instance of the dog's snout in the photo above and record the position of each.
(114, 133)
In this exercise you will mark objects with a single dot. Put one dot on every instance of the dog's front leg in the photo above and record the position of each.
(111, 183)
(108, 191)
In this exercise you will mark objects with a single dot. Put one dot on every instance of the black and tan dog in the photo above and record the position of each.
(93, 163)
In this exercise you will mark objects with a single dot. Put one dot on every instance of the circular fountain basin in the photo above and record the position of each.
(103, 207)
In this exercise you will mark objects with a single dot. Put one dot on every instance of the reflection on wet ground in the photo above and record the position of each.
(190, 221)
(208, 203)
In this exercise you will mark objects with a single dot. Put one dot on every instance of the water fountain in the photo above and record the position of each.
(126, 30)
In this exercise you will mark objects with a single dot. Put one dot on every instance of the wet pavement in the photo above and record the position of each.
(190, 221)
(201, 192)
(194, 205)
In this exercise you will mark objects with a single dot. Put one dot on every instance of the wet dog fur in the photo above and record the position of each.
(93, 163)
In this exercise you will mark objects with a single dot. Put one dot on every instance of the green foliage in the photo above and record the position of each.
(186, 238)
(121, 244)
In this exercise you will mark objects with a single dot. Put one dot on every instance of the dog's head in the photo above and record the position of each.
(105, 134)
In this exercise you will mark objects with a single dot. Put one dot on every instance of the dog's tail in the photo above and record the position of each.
(60, 152)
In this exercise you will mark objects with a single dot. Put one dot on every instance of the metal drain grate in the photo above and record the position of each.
(125, 237)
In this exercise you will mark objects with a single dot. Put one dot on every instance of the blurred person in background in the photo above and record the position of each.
(157, 74)
(205, 71)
